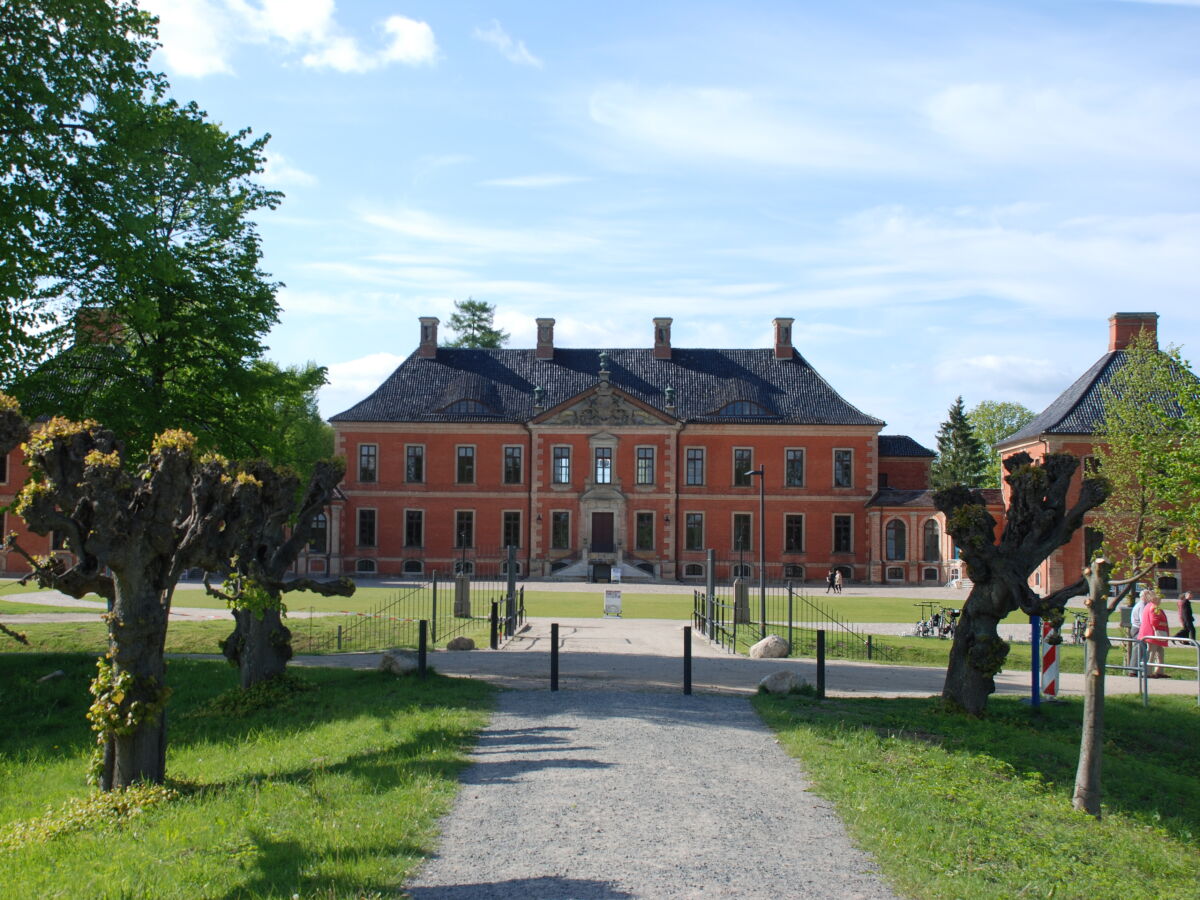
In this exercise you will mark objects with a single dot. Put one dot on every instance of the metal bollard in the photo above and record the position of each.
(821, 663)
(869, 648)
(687, 659)
(339, 636)
(423, 647)
(495, 643)
(554, 656)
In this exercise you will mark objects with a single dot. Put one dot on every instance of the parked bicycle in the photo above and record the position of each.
(1078, 627)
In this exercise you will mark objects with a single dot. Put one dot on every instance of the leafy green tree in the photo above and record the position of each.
(1148, 451)
(472, 321)
(66, 68)
(960, 460)
(993, 421)
(159, 255)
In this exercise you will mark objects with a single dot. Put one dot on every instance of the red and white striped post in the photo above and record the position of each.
(1049, 662)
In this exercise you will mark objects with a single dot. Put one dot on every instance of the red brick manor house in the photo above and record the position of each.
(640, 460)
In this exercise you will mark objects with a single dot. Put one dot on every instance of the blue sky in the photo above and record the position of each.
(949, 198)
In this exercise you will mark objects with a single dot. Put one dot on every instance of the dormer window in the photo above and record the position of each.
(467, 408)
(743, 408)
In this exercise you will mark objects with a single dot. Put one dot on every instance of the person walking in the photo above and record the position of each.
(1135, 626)
(830, 580)
(1186, 620)
(1153, 632)
(837, 581)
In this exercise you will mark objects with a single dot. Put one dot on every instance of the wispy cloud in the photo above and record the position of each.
(513, 50)
(199, 36)
(420, 225)
(535, 181)
(729, 125)
(278, 171)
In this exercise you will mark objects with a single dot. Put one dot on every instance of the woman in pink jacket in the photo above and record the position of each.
(1153, 630)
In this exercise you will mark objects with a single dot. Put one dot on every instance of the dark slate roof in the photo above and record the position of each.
(704, 381)
(902, 445)
(924, 499)
(1080, 408)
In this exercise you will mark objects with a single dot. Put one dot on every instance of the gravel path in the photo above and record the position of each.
(624, 795)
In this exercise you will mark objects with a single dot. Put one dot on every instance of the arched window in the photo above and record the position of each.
(741, 570)
(743, 408)
(504, 568)
(796, 572)
(464, 567)
(365, 567)
(467, 408)
(413, 567)
(897, 536)
(895, 573)
(318, 535)
(932, 542)
(693, 570)
(929, 574)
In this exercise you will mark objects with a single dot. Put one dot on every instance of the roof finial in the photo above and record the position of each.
(670, 397)
(603, 362)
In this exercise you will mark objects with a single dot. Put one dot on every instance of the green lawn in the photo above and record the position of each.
(959, 808)
(333, 793)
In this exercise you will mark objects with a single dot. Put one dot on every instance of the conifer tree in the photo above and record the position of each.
(472, 320)
(961, 460)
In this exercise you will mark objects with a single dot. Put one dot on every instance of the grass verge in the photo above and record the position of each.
(332, 792)
(953, 807)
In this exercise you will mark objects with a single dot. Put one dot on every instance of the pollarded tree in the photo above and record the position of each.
(1037, 522)
(960, 459)
(273, 538)
(472, 320)
(133, 536)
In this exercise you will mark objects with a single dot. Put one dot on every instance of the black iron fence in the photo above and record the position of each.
(738, 614)
(484, 605)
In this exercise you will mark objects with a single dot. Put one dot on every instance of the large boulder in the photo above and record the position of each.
(770, 647)
(398, 662)
(462, 642)
(785, 681)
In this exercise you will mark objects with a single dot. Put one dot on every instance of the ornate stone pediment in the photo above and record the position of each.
(603, 406)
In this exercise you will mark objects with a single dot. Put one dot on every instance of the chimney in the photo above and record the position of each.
(545, 339)
(1124, 327)
(428, 348)
(662, 338)
(783, 338)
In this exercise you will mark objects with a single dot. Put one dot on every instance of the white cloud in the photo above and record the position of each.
(199, 36)
(278, 171)
(534, 181)
(724, 125)
(412, 223)
(354, 379)
(1070, 124)
(512, 50)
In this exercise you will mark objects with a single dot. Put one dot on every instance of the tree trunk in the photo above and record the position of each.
(976, 655)
(260, 647)
(1091, 740)
(137, 634)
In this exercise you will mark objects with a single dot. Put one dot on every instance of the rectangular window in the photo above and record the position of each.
(414, 463)
(793, 534)
(318, 534)
(512, 466)
(843, 468)
(793, 468)
(464, 528)
(693, 531)
(644, 532)
(604, 459)
(562, 465)
(695, 465)
(4, 469)
(843, 534)
(366, 528)
(368, 462)
(743, 462)
(645, 465)
(560, 530)
(414, 528)
(466, 465)
(741, 531)
(511, 532)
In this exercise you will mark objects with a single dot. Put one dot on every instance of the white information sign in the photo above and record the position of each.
(614, 577)
(612, 602)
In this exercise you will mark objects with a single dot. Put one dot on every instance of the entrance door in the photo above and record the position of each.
(602, 532)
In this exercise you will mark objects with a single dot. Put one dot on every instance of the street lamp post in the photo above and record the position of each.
(761, 472)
